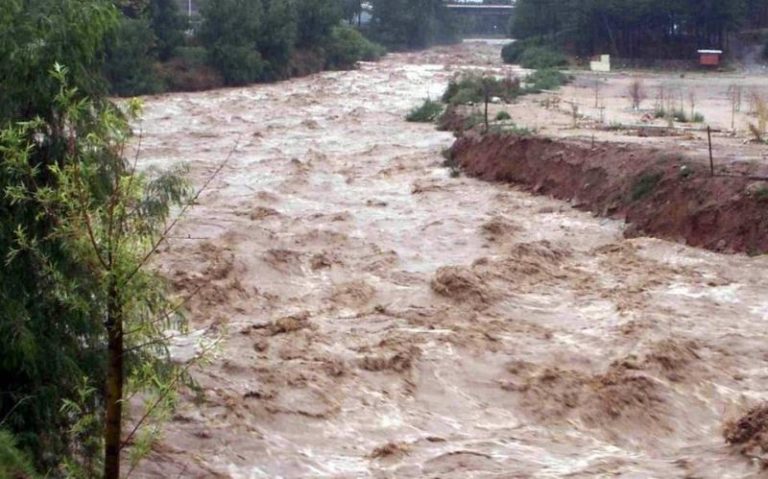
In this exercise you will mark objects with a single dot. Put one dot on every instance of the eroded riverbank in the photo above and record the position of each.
(382, 319)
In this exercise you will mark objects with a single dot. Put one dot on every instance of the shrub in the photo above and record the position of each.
(237, 64)
(542, 57)
(471, 88)
(428, 111)
(503, 115)
(511, 52)
(547, 79)
(347, 46)
(679, 115)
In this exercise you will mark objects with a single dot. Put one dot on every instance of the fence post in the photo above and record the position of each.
(711, 160)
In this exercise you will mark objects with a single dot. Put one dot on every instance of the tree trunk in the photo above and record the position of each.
(114, 386)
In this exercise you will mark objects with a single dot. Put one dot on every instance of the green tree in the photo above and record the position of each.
(278, 36)
(347, 46)
(34, 34)
(50, 340)
(630, 28)
(131, 57)
(168, 26)
(230, 31)
(108, 219)
(316, 18)
(411, 24)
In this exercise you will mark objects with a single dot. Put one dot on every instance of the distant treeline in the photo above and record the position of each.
(637, 29)
(236, 42)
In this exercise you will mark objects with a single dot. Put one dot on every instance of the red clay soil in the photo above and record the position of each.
(658, 193)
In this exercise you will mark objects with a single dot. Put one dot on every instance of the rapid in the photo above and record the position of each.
(381, 318)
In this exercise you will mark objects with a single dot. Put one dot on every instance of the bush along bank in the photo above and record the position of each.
(461, 105)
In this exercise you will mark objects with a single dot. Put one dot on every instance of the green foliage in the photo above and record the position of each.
(278, 37)
(472, 88)
(35, 34)
(168, 27)
(503, 116)
(13, 463)
(644, 185)
(316, 19)
(351, 9)
(547, 79)
(427, 112)
(511, 52)
(51, 335)
(533, 53)
(412, 24)
(347, 46)
(130, 59)
(257, 40)
(84, 227)
(678, 115)
(542, 58)
(761, 194)
(230, 32)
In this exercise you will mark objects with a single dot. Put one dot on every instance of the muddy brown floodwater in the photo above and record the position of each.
(383, 319)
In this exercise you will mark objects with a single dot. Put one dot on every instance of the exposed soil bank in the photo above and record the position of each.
(658, 193)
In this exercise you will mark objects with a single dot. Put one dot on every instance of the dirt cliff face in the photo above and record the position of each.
(659, 193)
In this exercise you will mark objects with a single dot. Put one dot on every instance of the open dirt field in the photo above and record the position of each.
(382, 319)
(604, 107)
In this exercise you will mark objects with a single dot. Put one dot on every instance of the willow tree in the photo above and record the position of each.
(109, 219)
(49, 338)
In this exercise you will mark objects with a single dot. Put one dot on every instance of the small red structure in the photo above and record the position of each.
(710, 58)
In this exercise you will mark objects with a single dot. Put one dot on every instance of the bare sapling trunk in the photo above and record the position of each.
(636, 93)
(597, 93)
(692, 103)
(114, 385)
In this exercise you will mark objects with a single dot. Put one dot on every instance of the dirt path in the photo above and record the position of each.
(382, 319)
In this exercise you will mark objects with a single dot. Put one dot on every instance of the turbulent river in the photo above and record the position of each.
(382, 318)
